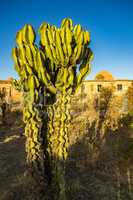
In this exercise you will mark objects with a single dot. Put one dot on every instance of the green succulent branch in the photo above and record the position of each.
(16, 84)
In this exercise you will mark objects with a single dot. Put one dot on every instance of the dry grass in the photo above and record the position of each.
(94, 172)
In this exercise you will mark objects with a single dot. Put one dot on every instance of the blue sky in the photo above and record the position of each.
(109, 21)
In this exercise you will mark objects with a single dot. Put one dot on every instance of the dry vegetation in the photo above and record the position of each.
(97, 168)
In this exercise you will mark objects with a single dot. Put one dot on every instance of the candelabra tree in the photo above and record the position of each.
(52, 71)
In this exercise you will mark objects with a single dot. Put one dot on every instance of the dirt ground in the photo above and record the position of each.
(12, 156)
(104, 174)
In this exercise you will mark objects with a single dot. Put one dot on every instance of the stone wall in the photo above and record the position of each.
(90, 87)
(12, 95)
(89, 90)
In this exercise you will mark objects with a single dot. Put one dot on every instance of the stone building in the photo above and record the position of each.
(88, 91)
(105, 79)
(11, 94)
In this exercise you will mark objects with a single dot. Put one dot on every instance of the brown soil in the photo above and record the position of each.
(12, 157)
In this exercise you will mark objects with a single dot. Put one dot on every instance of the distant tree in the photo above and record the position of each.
(104, 99)
(99, 77)
(126, 120)
(102, 106)
(130, 98)
(2, 104)
(104, 75)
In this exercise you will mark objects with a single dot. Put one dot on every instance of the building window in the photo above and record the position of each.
(119, 87)
(99, 87)
(4, 89)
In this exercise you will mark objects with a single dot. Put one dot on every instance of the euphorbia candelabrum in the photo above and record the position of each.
(55, 68)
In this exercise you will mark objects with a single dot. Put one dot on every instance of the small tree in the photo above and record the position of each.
(104, 100)
(99, 77)
(102, 106)
(2, 104)
(130, 98)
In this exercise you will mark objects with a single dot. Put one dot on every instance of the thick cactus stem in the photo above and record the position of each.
(59, 120)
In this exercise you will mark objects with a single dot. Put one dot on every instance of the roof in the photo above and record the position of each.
(116, 80)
